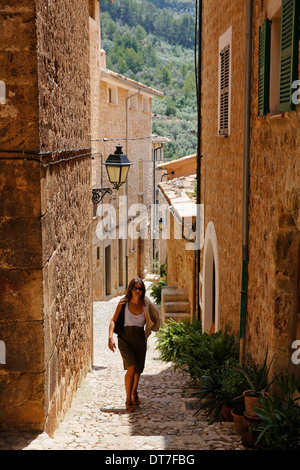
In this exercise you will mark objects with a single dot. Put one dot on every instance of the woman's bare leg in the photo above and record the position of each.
(129, 382)
(135, 384)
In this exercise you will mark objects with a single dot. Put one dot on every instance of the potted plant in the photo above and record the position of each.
(279, 428)
(233, 386)
(219, 389)
(257, 378)
(209, 396)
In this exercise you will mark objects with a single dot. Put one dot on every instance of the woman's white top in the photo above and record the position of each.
(134, 320)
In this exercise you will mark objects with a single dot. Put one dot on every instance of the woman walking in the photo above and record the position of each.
(134, 319)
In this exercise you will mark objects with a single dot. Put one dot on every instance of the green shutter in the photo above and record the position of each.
(288, 53)
(224, 91)
(264, 68)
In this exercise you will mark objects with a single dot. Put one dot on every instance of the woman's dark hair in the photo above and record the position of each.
(136, 280)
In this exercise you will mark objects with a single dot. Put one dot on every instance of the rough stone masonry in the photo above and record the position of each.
(45, 209)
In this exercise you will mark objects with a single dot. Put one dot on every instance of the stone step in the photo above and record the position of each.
(176, 316)
(173, 294)
(176, 306)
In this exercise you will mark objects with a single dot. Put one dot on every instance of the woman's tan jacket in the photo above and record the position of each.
(152, 317)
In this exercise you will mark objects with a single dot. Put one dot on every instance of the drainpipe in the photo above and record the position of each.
(199, 156)
(154, 198)
(127, 140)
(245, 201)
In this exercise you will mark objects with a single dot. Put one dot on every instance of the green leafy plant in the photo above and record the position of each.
(156, 290)
(155, 264)
(257, 376)
(232, 387)
(280, 416)
(209, 396)
(220, 387)
(163, 270)
(202, 353)
(172, 337)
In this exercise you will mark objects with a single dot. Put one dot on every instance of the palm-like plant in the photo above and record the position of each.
(280, 416)
(257, 376)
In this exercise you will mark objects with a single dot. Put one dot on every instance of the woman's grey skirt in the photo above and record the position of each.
(132, 345)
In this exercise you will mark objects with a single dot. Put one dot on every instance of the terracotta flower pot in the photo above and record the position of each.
(238, 423)
(226, 413)
(251, 403)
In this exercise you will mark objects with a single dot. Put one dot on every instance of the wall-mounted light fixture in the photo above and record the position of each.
(117, 167)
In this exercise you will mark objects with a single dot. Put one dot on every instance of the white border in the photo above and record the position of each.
(210, 244)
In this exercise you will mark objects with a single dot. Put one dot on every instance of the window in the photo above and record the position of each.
(274, 63)
(224, 83)
(2, 353)
(112, 95)
(278, 59)
(141, 176)
(133, 102)
(146, 105)
(288, 53)
(2, 92)
(264, 68)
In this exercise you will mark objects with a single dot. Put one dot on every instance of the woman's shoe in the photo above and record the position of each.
(129, 406)
(136, 400)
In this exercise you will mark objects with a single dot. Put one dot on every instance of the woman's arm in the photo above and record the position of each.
(153, 314)
(111, 343)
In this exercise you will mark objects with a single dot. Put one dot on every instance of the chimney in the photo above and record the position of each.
(103, 59)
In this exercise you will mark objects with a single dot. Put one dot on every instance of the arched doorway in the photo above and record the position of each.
(210, 287)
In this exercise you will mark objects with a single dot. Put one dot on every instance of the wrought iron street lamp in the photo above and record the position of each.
(117, 167)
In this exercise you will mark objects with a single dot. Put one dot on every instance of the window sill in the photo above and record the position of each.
(276, 116)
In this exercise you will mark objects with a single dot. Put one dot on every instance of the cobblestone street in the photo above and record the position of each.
(97, 418)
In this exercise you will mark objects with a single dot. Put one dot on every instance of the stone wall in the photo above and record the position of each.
(46, 298)
(274, 192)
(181, 264)
(64, 91)
(274, 223)
(21, 304)
(221, 175)
(113, 123)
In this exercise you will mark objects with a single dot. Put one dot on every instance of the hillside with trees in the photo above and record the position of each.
(153, 42)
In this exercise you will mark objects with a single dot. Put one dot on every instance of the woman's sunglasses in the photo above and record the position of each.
(137, 288)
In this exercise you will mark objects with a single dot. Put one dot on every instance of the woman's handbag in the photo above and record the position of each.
(120, 321)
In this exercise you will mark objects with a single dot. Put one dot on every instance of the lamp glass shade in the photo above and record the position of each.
(113, 173)
(124, 173)
(117, 166)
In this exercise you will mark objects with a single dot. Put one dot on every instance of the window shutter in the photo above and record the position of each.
(288, 53)
(224, 91)
(264, 68)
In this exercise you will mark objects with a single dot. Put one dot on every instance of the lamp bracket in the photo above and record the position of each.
(99, 193)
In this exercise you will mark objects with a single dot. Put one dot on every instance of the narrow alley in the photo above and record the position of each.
(97, 419)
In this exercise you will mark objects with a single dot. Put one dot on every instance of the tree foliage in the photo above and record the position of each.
(153, 42)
